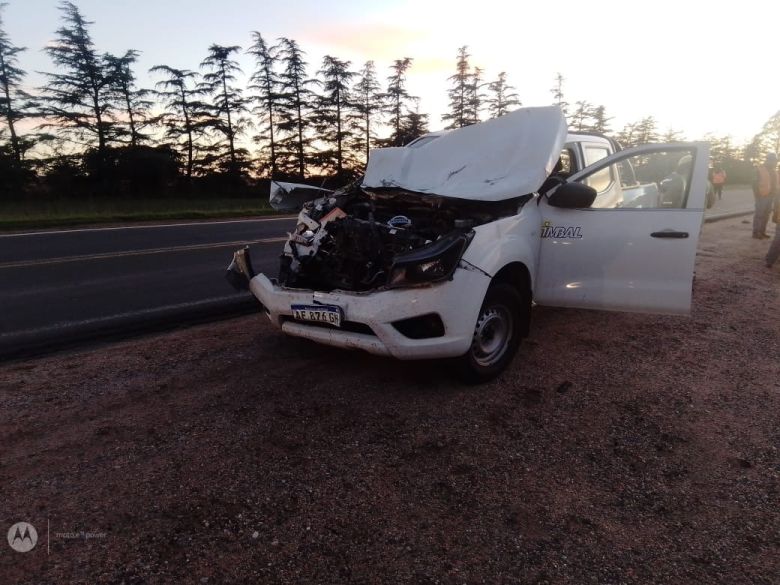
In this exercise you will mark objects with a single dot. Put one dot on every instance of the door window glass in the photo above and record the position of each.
(648, 180)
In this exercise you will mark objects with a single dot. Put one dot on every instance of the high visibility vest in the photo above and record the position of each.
(765, 181)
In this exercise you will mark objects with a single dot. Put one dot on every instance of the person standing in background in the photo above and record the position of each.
(774, 249)
(765, 192)
(718, 180)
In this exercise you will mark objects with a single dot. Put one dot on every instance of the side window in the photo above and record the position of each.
(565, 167)
(601, 180)
(568, 162)
(646, 181)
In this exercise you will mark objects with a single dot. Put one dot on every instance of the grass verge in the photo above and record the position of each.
(49, 213)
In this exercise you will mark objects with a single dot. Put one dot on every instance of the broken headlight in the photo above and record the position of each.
(432, 263)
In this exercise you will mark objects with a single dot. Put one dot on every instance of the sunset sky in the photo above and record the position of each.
(695, 69)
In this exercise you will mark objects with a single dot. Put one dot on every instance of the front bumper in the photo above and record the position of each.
(240, 270)
(457, 302)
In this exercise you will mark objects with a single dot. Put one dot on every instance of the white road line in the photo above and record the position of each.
(107, 255)
(144, 227)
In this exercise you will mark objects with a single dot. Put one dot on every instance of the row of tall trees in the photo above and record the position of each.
(91, 120)
(13, 103)
(90, 116)
(738, 160)
(470, 96)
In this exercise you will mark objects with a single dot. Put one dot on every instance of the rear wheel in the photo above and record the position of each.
(500, 325)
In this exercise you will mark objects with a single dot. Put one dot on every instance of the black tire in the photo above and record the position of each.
(501, 324)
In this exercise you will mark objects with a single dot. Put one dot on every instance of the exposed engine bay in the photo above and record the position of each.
(360, 240)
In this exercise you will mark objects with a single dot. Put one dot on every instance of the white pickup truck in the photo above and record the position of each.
(443, 247)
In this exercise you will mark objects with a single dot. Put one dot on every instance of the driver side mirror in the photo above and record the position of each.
(572, 196)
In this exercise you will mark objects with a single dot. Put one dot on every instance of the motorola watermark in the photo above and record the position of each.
(79, 535)
(22, 537)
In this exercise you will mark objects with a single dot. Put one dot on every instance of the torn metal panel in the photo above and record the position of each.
(494, 160)
(291, 196)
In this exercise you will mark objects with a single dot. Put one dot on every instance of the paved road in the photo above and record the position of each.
(56, 282)
(59, 284)
(735, 199)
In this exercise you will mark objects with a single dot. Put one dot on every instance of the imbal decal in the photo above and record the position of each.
(561, 232)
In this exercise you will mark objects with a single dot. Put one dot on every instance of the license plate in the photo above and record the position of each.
(328, 314)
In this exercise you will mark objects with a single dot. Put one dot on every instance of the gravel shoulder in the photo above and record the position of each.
(618, 448)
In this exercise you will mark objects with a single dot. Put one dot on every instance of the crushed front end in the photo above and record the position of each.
(360, 240)
(391, 264)
(380, 270)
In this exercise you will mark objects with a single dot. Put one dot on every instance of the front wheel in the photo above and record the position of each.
(497, 334)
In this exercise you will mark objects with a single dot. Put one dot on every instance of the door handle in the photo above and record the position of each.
(670, 234)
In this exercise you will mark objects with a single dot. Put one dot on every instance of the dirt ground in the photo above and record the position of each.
(618, 448)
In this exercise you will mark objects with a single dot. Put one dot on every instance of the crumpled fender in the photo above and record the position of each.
(507, 240)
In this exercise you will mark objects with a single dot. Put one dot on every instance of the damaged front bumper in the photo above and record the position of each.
(435, 321)
(240, 270)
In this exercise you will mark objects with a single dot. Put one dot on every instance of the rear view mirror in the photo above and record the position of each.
(573, 196)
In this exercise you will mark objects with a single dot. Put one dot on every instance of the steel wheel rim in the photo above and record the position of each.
(492, 333)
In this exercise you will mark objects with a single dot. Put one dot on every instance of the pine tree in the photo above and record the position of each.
(474, 97)
(627, 137)
(131, 101)
(264, 84)
(78, 101)
(580, 119)
(752, 151)
(557, 92)
(722, 148)
(12, 98)
(413, 124)
(647, 131)
(459, 91)
(331, 117)
(368, 105)
(502, 98)
(397, 100)
(185, 111)
(589, 118)
(671, 135)
(296, 101)
(228, 106)
(600, 120)
(768, 139)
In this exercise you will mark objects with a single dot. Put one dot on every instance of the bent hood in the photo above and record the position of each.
(494, 160)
